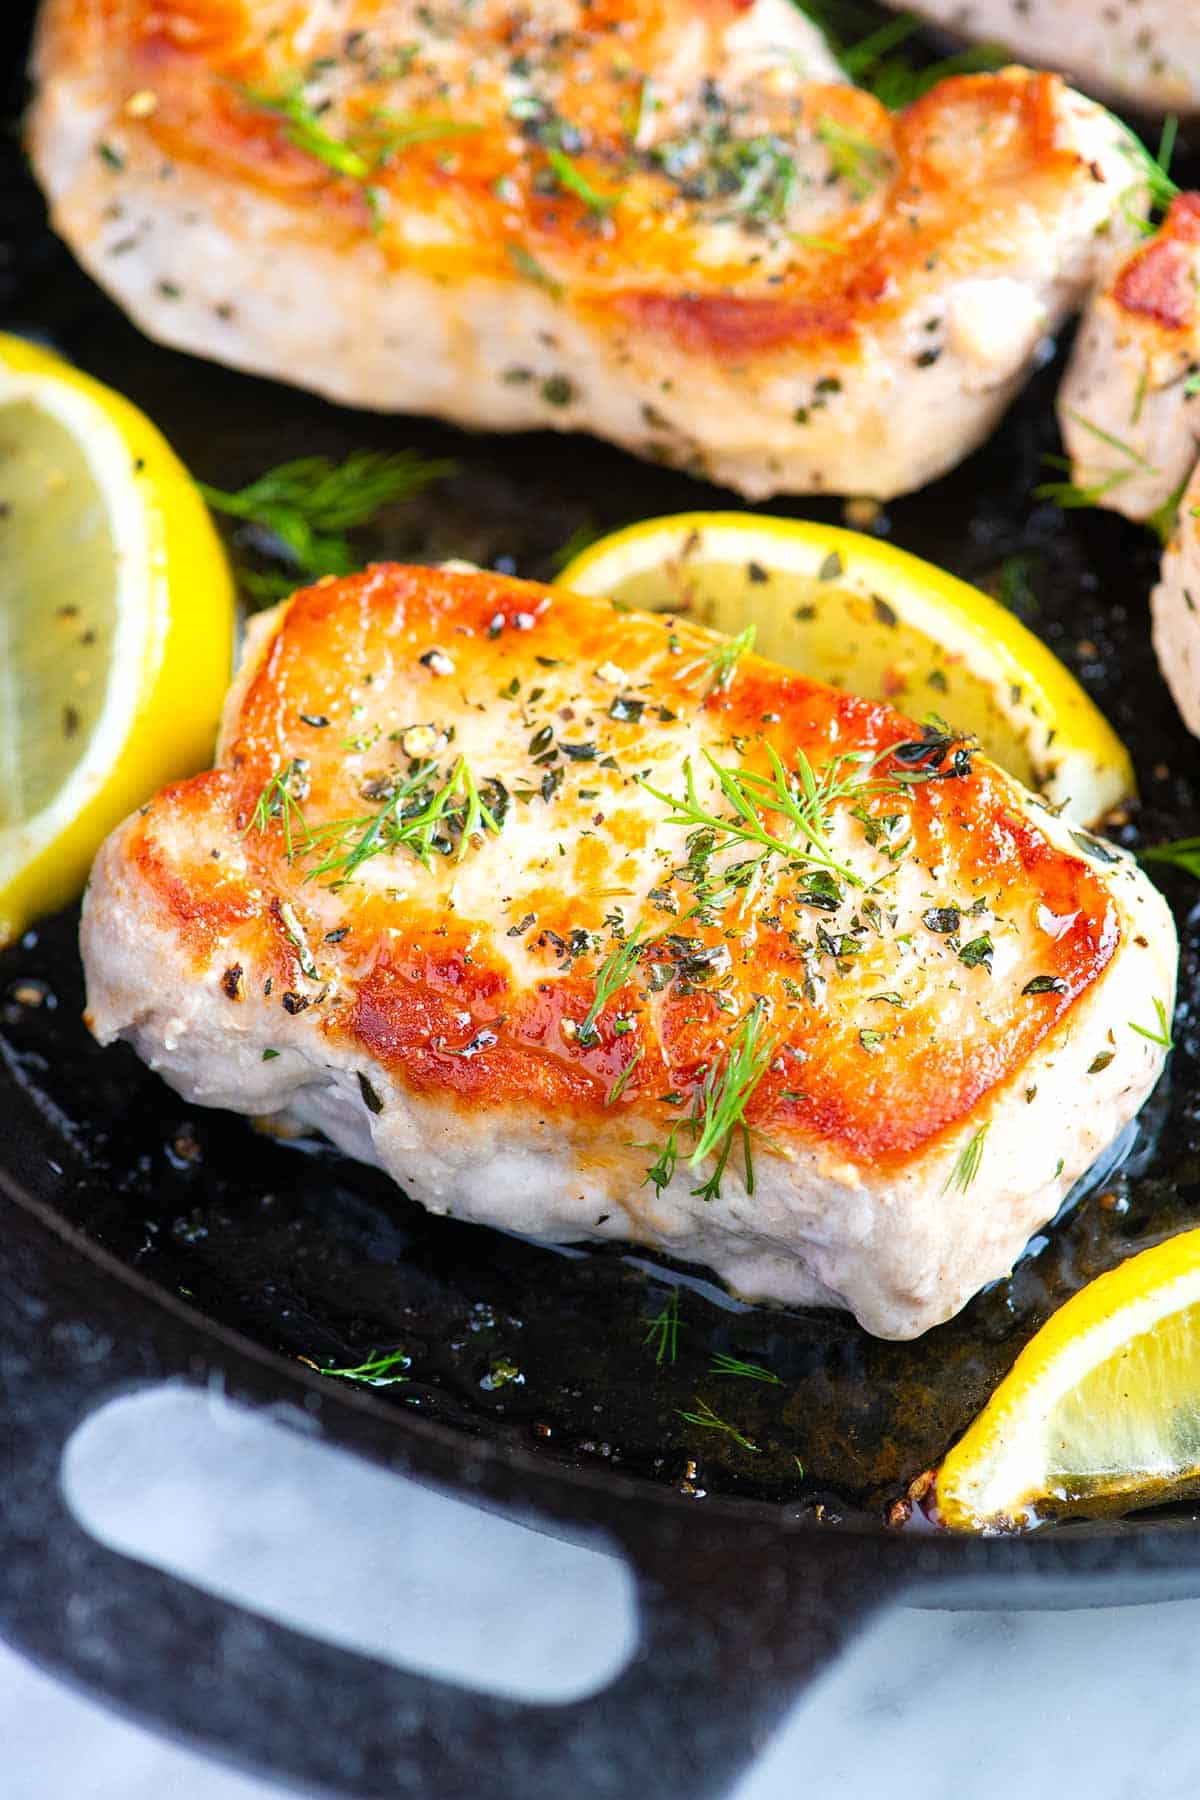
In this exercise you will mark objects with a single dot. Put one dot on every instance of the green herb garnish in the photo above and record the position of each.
(280, 799)
(1163, 1034)
(727, 1089)
(723, 661)
(370, 149)
(967, 1166)
(306, 506)
(611, 975)
(418, 816)
(378, 1371)
(733, 1365)
(663, 1330)
(528, 265)
(856, 160)
(1183, 853)
(571, 178)
(705, 1417)
(802, 798)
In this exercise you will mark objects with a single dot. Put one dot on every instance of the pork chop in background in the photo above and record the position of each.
(1139, 53)
(668, 222)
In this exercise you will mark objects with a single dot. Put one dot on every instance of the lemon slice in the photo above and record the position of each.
(864, 616)
(1100, 1412)
(116, 624)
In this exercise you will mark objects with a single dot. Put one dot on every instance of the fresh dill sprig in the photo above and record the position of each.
(619, 1085)
(1163, 1035)
(573, 181)
(417, 817)
(705, 1417)
(1113, 443)
(878, 59)
(378, 1371)
(1163, 520)
(723, 661)
(1070, 496)
(1153, 176)
(279, 799)
(305, 130)
(717, 1119)
(897, 83)
(663, 1330)
(803, 799)
(854, 159)
(1182, 853)
(967, 1166)
(728, 1087)
(527, 265)
(370, 149)
(611, 975)
(748, 1371)
(304, 507)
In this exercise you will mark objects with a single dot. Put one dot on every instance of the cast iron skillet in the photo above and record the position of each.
(144, 1240)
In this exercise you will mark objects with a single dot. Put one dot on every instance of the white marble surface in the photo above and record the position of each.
(983, 1706)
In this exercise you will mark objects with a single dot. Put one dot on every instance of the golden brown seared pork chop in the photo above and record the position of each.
(843, 1021)
(641, 218)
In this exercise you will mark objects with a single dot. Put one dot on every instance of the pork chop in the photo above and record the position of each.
(580, 923)
(642, 218)
(1175, 608)
(1145, 53)
(1128, 406)
(1129, 409)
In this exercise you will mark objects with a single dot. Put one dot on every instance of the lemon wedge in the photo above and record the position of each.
(116, 624)
(1101, 1410)
(861, 615)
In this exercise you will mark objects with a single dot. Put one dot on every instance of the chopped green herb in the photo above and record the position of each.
(663, 1330)
(528, 265)
(856, 160)
(1163, 1034)
(280, 799)
(1183, 853)
(378, 1371)
(570, 177)
(802, 798)
(967, 1166)
(723, 661)
(1045, 984)
(728, 1088)
(619, 1085)
(612, 973)
(307, 505)
(733, 1365)
(705, 1417)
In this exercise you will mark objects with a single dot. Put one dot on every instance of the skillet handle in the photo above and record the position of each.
(733, 1621)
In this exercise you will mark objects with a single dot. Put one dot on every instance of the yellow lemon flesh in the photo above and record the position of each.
(864, 616)
(116, 624)
(1101, 1410)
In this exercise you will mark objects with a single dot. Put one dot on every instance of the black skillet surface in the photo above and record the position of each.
(147, 1239)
